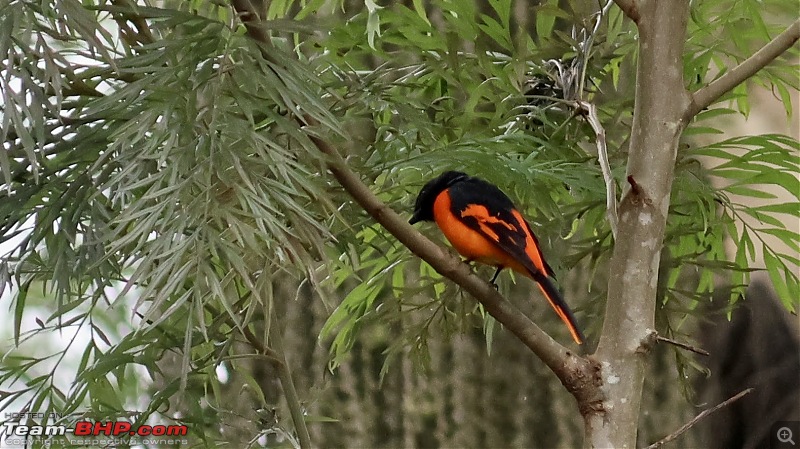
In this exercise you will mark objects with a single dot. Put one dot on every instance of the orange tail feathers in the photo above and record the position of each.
(557, 302)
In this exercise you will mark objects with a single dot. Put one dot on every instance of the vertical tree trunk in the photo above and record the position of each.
(661, 102)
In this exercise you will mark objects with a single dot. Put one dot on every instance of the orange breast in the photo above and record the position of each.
(467, 241)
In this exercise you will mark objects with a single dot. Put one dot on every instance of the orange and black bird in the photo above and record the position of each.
(483, 225)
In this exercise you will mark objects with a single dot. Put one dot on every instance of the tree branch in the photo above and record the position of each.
(289, 391)
(248, 11)
(697, 419)
(630, 8)
(277, 357)
(590, 111)
(685, 346)
(578, 374)
(660, 103)
(559, 359)
(553, 354)
(707, 95)
(143, 33)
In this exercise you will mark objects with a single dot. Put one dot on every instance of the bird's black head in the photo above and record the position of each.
(423, 208)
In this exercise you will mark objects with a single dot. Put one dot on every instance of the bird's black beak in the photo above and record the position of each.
(414, 218)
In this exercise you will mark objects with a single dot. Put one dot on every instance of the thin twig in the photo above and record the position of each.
(688, 347)
(697, 419)
(586, 47)
(248, 11)
(263, 349)
(256, 343)
(602, 157)
(289, 390)
(143, 34)
(276, 355)
(707, 95)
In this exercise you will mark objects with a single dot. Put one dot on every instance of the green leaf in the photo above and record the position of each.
(419, 7)
(373, 22)
(19, 309)
(788, 237)
(747, 191)
(786, 98)
(789, 208)
(546, 15)
(488, 331)
(353, 307)
(780, 279)
(763, 218)
(496, 31)
(311, 6)
(745, 251)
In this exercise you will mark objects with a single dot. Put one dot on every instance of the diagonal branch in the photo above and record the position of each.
(553, 354)
(248, 11)
(142, 34)
(685, 346)
(575, 372)
(698, 418)
(707, 95)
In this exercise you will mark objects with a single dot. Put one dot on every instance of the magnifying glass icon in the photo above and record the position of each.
(785, 435)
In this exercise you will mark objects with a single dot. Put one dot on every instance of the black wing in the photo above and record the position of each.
(496, 221)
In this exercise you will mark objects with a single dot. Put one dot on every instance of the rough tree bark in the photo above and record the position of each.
(658, 121)
(663, 108)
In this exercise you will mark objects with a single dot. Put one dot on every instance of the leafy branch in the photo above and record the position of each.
(200, 160)
(574, 371)
(551, 352)
(707, 95)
